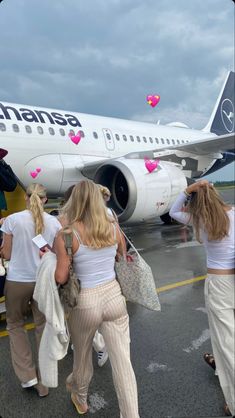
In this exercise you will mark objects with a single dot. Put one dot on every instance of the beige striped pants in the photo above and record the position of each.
(220, 304)
(103, 307)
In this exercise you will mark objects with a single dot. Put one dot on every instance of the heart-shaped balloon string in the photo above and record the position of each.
(75, 138)
(151, 165)
(153, 100)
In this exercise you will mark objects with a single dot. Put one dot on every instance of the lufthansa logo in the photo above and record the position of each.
(227, 114)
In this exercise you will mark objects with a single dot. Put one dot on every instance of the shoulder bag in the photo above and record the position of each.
(70, 290)
(136, 279)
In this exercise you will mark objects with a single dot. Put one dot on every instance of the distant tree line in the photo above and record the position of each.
(230, 183)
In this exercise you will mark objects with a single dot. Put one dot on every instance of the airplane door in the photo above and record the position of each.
(109, 141)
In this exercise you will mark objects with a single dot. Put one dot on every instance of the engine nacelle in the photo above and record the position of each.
(138, 195)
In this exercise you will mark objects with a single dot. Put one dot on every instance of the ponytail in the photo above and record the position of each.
(35, 193)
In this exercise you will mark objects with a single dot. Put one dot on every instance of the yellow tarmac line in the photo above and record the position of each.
(159, 290)
(27, 326)
(181, 283)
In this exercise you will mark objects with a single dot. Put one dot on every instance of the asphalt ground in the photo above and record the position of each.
(166, 347)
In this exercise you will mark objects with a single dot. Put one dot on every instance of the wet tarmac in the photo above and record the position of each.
(166, 347)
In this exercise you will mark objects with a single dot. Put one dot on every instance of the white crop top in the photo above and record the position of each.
(221, 253)
(93, 266)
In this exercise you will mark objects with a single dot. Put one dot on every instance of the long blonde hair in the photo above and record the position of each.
(208, 212)
(87, 206)
(35, 193)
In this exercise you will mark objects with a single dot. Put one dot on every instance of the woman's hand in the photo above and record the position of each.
(193, 188)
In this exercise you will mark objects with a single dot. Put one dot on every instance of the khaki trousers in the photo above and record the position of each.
(103, 307)
(220, 303)
(18, 296)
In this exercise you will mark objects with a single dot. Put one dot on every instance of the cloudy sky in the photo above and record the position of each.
(105, 56)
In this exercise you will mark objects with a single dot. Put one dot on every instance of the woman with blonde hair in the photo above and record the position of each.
(23, 255)
(213, 221)
(96, 241)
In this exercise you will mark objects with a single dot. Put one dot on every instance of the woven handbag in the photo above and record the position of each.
(70, 290)
(136, 279)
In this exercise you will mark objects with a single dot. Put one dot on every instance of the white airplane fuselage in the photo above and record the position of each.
(41, 148)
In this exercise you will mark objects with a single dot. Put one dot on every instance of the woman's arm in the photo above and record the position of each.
(6, 246)
(176, 210)
(63, 261)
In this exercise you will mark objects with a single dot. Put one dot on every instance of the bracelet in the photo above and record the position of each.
(187, 194)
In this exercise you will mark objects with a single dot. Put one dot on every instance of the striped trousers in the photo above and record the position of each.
(103, 307)
(220, 304)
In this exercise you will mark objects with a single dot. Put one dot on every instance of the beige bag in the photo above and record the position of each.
(70, 290)
(136, 279)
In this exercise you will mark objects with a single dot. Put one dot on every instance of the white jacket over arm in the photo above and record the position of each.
(55, 339)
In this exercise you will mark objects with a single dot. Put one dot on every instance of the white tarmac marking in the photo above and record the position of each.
(96, 402)
(198, 342)
(188, 244)
(201, 309)
(155, 367)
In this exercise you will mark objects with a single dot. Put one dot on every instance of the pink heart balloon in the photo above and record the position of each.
(151, 165)
(75, 138)
(153, 100)
(33, 174)
(38, 170)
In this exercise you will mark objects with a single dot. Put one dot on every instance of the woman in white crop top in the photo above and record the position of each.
(101, 305)
(23, 255)
(213, 221)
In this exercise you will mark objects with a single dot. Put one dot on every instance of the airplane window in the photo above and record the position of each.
(28, 129)
(117, 137)
(62, 132)
(2, 127)
(108, 136)
(51, 131)
(124, 137)
(40, 130)
(163, 141)
(173, 141)
(150, 139)
(168, 141)
(182, 141)
(144, 138)
(81, 134)
(132, 138)
(138, 138)
(178, 142)
(157, 140)
(15, 127)
(72, 132)
(95, 135)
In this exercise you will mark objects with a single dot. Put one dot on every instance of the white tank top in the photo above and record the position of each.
(93, 266)
(220, 253)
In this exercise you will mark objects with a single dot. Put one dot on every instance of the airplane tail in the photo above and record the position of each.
(222, 118)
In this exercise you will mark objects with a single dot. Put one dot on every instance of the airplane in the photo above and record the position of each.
(59, 148)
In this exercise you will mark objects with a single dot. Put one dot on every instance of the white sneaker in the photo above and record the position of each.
(30, 383)
(102, 357)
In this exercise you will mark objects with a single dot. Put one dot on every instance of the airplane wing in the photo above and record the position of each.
(215, 144)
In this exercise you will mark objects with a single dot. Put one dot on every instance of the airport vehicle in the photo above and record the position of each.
(59, 148)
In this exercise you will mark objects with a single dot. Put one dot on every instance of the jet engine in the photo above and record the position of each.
(138, 195)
